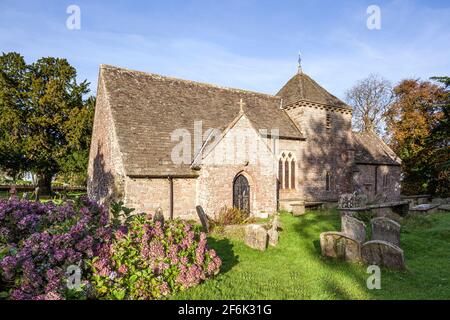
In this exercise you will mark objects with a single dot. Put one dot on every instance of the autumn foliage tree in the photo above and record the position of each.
(418, 131)
(46, 122)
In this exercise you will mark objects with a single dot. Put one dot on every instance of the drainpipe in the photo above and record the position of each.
(376, 179)
(171, 198)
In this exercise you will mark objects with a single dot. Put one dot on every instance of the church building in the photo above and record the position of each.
(162, 142)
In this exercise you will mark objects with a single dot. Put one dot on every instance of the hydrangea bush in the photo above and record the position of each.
(143, 259)
(38, 242)
(150, 260)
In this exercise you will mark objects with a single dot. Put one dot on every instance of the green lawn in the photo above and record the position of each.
(295, 269)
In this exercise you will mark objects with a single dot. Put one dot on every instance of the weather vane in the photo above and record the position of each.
(299, 62)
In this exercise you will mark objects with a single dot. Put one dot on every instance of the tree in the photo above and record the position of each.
(45, 120)
(369, 99)
(418, 131)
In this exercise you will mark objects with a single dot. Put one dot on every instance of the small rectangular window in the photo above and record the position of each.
(328, 182)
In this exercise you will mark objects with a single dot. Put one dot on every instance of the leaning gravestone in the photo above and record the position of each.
(273, 236)
(382, 253)
(12, 193)
(338, 245)
(385, 229)
(36, 194)
(256, 237)
(353, 228)
(346, 200)
(276, 224)
(203, 218)
(159, 216)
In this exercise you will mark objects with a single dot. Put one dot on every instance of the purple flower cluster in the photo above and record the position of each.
(168, 258)
(42, 240)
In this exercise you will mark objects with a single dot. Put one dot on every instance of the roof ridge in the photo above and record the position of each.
(198, 83)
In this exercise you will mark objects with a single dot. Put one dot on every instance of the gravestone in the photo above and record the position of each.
(256, 237)
(203, 218)
(273, 237)
(383, 254)
(276, 223)
(353, 228)
(298, 209)
(385, 229)
(12, 193)
(36, 194)
(338, 245)
(346, 200)
(352, 200)
(159, 216)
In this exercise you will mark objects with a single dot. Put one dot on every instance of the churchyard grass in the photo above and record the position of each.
(295, 268)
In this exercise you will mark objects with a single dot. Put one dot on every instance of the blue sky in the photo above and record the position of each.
(249, 44)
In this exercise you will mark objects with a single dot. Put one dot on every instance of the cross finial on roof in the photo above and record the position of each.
(299, 62)
(241, 105)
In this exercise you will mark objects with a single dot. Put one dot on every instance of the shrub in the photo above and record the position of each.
(229, 216)
(149, 260)
(38, 242)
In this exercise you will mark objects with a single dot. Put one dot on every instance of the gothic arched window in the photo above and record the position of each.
(286, 171)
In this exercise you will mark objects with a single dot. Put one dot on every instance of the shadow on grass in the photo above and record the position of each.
(224, 249)
(309, 227)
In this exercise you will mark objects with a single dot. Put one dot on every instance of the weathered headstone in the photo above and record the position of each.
(273, 237)
(159, 216)
(203, 218)
(12, 193)
(346, 200)
(298, 209)
(36, 194)
(383, 254)
(256, 237)
(386, 230)
(276, 223)
(338, 245)
(353, 228)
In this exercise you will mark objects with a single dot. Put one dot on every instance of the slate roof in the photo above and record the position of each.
(302, 87)
(147, 108)
(370, 149)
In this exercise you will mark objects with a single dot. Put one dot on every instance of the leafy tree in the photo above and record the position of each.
(418, 131)
(369, 99)
(45, 121)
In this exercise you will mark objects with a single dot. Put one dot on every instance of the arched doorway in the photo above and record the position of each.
(241, 194)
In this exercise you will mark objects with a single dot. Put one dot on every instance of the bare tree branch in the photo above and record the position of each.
(370, 98)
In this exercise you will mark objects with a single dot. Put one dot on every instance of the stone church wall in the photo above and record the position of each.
(387, 181)
(147, 195)
(220, 168)
(328, 148)
(105, 168)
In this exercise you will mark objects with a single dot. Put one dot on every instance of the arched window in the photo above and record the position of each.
(287, 171)
(328, 181)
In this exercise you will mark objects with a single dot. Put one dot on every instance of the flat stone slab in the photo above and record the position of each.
(353, 228)
(383, 254)
(425, 208)
(338, 245)
(444, 208)
(256, 237)
(385, 229)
